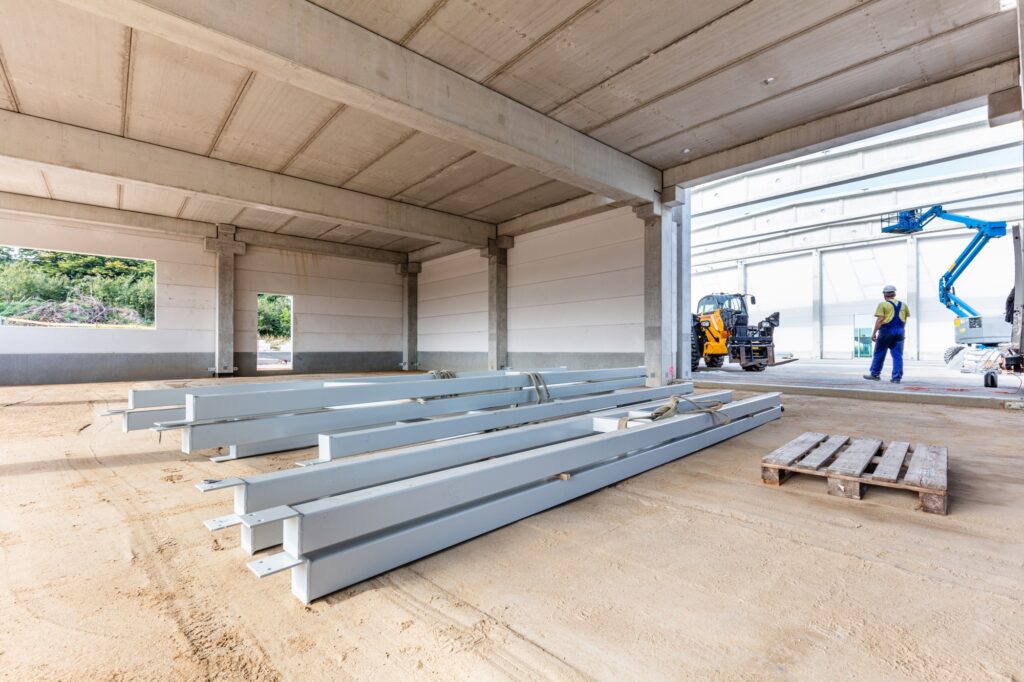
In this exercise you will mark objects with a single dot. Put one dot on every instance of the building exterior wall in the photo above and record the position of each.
(347, 314)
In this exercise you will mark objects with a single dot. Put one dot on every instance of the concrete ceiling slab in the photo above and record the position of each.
(545, 195)
(350, 142)
(374, 240)
(208, 210)
(697, 56)
(178, 97)
(342, 233)
(609, 37)
(857, 37)
(22, 180)
(412, 161)
(147, 199)
(480, 39)
(456, 177)
(393, 19)
(63, 64)
(972, 47)
(79, 188)
(487, 191)
(270, 124)
(306, 227)
(408, 244)
(261, 220)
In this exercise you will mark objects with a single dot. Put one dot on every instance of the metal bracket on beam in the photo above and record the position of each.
(265, 516)
(218, 484)
(222, 522)
(275, 563)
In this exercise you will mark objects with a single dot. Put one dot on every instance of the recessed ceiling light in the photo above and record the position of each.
(686, 151)
(1007, 5)
(769, 80)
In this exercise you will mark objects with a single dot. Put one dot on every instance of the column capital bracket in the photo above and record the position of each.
(408, 269)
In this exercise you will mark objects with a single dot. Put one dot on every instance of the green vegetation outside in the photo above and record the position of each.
(274, 317)
(54, 287)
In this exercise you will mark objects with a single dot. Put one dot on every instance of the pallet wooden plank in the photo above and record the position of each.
(794, 449)
(927, 467)
(822, 453)
(855, 459)
(892, 461)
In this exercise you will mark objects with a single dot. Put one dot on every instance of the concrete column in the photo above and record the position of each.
(684, 296)
(913, 298)
(226, 248)
(817, 308)
(660, 332)
(497, 301)
(1017, 330)
(410, 313)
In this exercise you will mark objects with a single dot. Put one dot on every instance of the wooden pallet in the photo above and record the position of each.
(849, 465)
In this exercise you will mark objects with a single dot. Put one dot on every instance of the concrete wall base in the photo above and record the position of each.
(466, 362)
(23, 369)
(325, 363)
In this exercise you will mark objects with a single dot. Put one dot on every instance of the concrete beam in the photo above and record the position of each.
(47, 144)
(574, 209)
(325, 54)
(226, 248)
(410, 314)
(917, 106)
(435, 251)
(66, 211)
(1004, 107)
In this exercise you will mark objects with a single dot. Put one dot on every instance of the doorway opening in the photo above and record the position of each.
(274, 316)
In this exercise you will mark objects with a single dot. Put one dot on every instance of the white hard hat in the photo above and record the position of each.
(888, 289)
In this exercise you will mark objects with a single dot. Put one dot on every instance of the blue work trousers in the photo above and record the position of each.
(893, 344)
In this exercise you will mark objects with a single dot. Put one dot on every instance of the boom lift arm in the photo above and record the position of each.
(914, 220)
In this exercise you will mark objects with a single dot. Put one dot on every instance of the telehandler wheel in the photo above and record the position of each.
(714, 361)
(755, 368)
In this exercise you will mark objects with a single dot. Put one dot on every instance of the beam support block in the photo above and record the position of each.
(226, 248)
(410, 314)
(497, 301)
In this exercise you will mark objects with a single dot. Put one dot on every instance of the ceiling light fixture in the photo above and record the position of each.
(769, 80)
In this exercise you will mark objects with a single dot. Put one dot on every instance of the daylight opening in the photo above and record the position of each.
(61, 289)
(274, 329)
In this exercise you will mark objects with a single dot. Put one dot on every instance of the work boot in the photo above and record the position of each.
(894, 381)
(872, 377)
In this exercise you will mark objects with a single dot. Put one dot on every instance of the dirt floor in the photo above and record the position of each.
(695, 570)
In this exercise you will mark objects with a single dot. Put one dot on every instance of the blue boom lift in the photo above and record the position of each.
(970, 327)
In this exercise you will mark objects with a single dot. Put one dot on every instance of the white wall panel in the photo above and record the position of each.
(578, 287)
(453, 304)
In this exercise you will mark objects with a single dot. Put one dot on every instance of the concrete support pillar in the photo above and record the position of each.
(817, 308)
(1017, 331)
(684, 298)
(660, 307)
(226, 248)
(410, 273)
(497, 301)
(913, 298)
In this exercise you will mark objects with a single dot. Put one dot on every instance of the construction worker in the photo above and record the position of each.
(890, 330)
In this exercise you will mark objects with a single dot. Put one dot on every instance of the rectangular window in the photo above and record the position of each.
(60, 289)
(274, 330)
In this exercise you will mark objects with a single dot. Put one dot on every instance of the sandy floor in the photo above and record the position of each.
(692, 571)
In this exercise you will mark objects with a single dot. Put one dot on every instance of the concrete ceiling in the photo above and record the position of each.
(662, 81)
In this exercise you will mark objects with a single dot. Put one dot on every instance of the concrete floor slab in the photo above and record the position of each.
(695, 570)
(922, 382)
